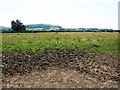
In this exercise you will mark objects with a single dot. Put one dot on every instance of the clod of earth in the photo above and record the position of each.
(24, 62)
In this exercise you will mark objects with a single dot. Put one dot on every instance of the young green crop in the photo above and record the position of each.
(103, 42)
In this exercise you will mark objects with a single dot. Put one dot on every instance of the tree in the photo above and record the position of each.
(17, 26)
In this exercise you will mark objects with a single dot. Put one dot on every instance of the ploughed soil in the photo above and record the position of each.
(59, 68)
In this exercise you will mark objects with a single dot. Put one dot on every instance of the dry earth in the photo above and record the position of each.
(59, 68)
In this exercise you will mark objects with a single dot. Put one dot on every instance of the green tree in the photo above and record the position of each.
(17, 26)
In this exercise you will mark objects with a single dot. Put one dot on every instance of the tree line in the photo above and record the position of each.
(18, 26)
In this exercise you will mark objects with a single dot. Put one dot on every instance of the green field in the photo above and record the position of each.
(102, 42)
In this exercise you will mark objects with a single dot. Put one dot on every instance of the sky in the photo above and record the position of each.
(66, 13)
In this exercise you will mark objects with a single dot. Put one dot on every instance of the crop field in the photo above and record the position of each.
(103, 42)
(60, 60)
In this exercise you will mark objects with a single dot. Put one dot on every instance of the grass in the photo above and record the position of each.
(102, 42)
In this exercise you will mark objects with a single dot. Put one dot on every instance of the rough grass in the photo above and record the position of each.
(94, 42)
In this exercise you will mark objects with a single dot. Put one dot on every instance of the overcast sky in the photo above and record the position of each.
(66, 13)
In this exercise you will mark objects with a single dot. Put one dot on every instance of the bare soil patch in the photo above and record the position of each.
(59, 68)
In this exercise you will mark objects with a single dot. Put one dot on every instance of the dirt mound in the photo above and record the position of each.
(101, 67)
